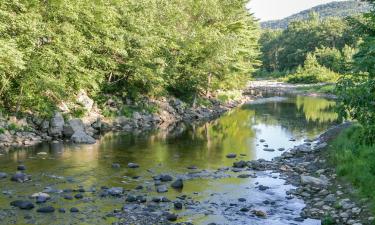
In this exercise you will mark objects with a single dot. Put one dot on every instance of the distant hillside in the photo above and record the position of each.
(333, 9)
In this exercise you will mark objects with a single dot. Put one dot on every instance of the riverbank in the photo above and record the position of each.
(30, 131)
(278, 88)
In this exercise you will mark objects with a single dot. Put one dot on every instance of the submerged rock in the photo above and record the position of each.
(133, 165)
(20, 177)
(161, 189)
(231, 155)
(47, 209)
(178, 184)
(3, 175)
(21, 204)
(21, 167)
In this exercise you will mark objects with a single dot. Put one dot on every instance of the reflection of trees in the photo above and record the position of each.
(317, 109)
(301, 114)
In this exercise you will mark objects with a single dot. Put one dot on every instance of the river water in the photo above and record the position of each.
(276, 120)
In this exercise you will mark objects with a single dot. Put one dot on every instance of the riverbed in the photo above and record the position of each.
(196, 153)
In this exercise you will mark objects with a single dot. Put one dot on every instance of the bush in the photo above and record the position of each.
(354, 160)
(312, 72)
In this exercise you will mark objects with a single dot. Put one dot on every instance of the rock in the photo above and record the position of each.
(242, 200)
(41, 199)
(178, 184)
(21, 167)
(24, 205)
(115, 191)
(56, 125)
(165, 178)
(330, 198)
(263, 188)
(244, 209)
(85, 101)
(131, 198)
(20, 177)
(346, 204)
(178, 205)
(61, 210)
(73, 126)
(239, 164)
(116, 165)
(281, 149)
(260, 213)
(161, 189)
(244, 176)
(78, 196)
(68, 197)
(309, 180)
(133, 165)
(231, 156)
(171, 217)
(47, 209)
(262, 140)
(80, 137)
(3, 175)
(42, 153)
(269, 149)
(74, 210)
(192, 167)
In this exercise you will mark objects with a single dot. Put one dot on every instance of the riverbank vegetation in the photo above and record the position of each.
(311, 51)
(52, 50)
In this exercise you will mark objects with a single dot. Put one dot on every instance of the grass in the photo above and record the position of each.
(324, 89)
(354, 161)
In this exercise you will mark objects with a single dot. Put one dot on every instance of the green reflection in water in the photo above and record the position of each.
(204, 146)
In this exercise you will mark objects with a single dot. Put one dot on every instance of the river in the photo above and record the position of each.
(212, 190)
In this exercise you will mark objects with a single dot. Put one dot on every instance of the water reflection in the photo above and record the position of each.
(204, 146)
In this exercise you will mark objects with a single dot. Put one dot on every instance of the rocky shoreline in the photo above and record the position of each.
(262, 88)
(326, 198)
(31, 131)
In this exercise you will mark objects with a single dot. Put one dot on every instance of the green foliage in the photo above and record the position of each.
(312, 72)
(357, 91)
(354, 160)
(328, 39)
(51, 50)
(328, 220)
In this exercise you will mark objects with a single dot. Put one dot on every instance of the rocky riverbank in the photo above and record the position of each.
(326, 198)
(31, 130)
(262, 88)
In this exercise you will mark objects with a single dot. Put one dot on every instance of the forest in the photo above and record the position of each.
(125, 48)
(164, 88)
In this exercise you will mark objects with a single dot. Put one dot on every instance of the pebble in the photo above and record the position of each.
(46, 209)
(21, 167)
(78, 196)
(74, 210)
(178, 205)
(133, 165)
(231, 155)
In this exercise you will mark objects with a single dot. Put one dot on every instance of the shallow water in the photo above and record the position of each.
(276, 120)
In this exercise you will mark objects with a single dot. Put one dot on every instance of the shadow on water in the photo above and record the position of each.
(276, 120)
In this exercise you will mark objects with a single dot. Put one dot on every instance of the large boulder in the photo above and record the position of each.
(73, 126)
(80, 137)
(56, 125)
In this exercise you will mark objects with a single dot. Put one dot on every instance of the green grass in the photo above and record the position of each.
(324, 89)
(354, 161)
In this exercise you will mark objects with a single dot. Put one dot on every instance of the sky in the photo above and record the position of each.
(279, 9)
